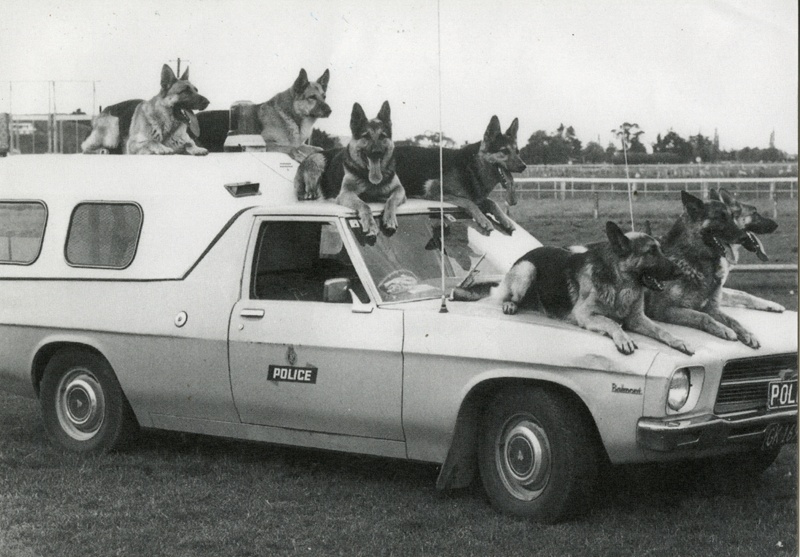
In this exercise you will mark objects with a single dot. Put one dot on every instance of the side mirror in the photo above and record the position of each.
(336, 291)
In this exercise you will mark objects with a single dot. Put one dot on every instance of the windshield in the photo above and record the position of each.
(407, 265)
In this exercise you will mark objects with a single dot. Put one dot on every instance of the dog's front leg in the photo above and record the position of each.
(182, 142)
(397, 197)
(745, 336)
(604, 325)
(349, 198)
(696, 320)
(645, 326)
(739, 299)
(475, 211)
(491, 207)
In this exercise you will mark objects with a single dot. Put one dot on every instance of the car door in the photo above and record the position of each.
(303, 362)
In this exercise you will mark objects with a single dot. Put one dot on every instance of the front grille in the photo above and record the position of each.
(745, 383)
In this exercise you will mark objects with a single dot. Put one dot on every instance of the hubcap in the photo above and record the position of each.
(80, 404)
(523, 458)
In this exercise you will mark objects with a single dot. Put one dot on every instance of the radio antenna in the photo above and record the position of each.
(443, 307)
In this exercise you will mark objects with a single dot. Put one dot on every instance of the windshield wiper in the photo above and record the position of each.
(467, 281)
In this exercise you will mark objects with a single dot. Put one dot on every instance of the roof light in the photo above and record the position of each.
(243, 189)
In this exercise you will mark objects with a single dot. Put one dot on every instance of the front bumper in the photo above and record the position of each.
(708, 431)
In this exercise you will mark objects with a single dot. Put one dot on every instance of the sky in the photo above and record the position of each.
(692, 66)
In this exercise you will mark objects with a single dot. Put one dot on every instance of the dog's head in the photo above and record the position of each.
(309, 96)
(372, 143)
(640, 255)
(714, 221)
(748, 218)
(500, 149)
(180, 93)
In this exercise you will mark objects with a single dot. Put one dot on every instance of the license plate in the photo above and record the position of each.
(782, 394)
(779, 434)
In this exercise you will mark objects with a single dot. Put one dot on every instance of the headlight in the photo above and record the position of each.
(679, 387)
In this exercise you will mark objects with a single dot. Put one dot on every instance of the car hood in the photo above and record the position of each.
(481, 330)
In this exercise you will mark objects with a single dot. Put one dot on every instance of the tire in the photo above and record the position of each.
(555, 449)
(83, 407)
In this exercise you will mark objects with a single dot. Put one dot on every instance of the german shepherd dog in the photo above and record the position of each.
(470, 173)
(285, 121)
(158, 126)
(365, 169)
(747, 217)
(698, 243)
(600, 288)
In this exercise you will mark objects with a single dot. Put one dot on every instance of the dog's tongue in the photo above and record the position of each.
(375, 173)
(754, 244)
(194, 125)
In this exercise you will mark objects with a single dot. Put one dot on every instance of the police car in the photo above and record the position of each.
(197, 295)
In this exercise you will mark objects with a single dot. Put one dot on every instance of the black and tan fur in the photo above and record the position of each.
(747, 217)
(470, 173)
(285, 121)
(697, 243)
(363, 171)
(158, 126)
(600, 288)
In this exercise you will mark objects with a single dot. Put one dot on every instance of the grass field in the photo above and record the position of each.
(184, 495)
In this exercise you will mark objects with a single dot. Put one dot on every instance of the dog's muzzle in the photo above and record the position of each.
(753, 244)
(651, 282)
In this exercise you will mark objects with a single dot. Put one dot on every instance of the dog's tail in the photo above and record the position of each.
(309, 174)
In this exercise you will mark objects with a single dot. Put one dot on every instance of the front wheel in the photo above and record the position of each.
(538, 454)
(83, 407)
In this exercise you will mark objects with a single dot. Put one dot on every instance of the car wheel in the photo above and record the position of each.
(538, 454)
(83, 407)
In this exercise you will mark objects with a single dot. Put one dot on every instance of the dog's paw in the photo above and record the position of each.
(748, 339)
(198, 151)
(368, 225)
(683, 346)
(773, 307)
(389, 222)
(482, 221)
(721, 331)
(510, 308)
(624, 343)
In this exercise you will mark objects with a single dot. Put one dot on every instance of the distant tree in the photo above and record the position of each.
(593, 153)
(628, 135)
(557, 148)
(702, 148)
(428, 139)
(324, 140)
(674, 144)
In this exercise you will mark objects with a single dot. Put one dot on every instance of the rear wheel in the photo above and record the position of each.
(538, 454)
(83, 407)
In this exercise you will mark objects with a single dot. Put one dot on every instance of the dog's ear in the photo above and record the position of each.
(620, 243)
(385, 116)
(726, 197)
(185, 76)
(358, 120)
(167, 77)
(648, 228)
(712, 194)
(513, 129)
(693, 205)
(323, 80)
(301, 82)
(493, 129)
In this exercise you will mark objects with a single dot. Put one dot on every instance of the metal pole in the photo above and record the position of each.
(774, 200)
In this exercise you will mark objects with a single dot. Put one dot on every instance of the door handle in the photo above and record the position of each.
(254, 313)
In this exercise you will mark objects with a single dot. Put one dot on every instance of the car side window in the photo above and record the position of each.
(103, 234)
(22, 225)
(302, 261)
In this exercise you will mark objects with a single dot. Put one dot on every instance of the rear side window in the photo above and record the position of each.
(21, 231)
(103, 234)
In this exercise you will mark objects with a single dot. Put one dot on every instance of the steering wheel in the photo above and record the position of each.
(398, 281)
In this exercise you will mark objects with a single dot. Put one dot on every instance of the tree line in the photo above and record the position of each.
(563, 146)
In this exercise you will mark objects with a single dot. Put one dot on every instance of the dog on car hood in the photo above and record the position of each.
(699, 243)
(600, 288)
